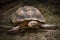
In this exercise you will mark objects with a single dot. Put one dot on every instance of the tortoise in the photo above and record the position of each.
(28, 17)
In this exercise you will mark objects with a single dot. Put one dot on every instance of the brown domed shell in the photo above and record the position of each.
(27, 13)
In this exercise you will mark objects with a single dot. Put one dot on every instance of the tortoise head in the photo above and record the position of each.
(33, 24)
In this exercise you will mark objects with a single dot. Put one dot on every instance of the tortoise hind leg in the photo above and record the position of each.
(17, 28)
(14, 30)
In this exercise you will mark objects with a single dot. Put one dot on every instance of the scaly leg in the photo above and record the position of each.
(14, 30)
(48, 26)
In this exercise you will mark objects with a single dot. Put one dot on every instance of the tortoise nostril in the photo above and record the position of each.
(32, 23)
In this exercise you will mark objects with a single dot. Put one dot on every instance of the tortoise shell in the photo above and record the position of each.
(27, 13)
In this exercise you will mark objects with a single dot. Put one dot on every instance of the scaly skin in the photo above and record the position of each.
(18, 27)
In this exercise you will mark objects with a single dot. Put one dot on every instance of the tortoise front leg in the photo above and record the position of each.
(48, 26)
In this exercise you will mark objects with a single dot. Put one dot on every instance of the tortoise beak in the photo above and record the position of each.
(32, 24)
